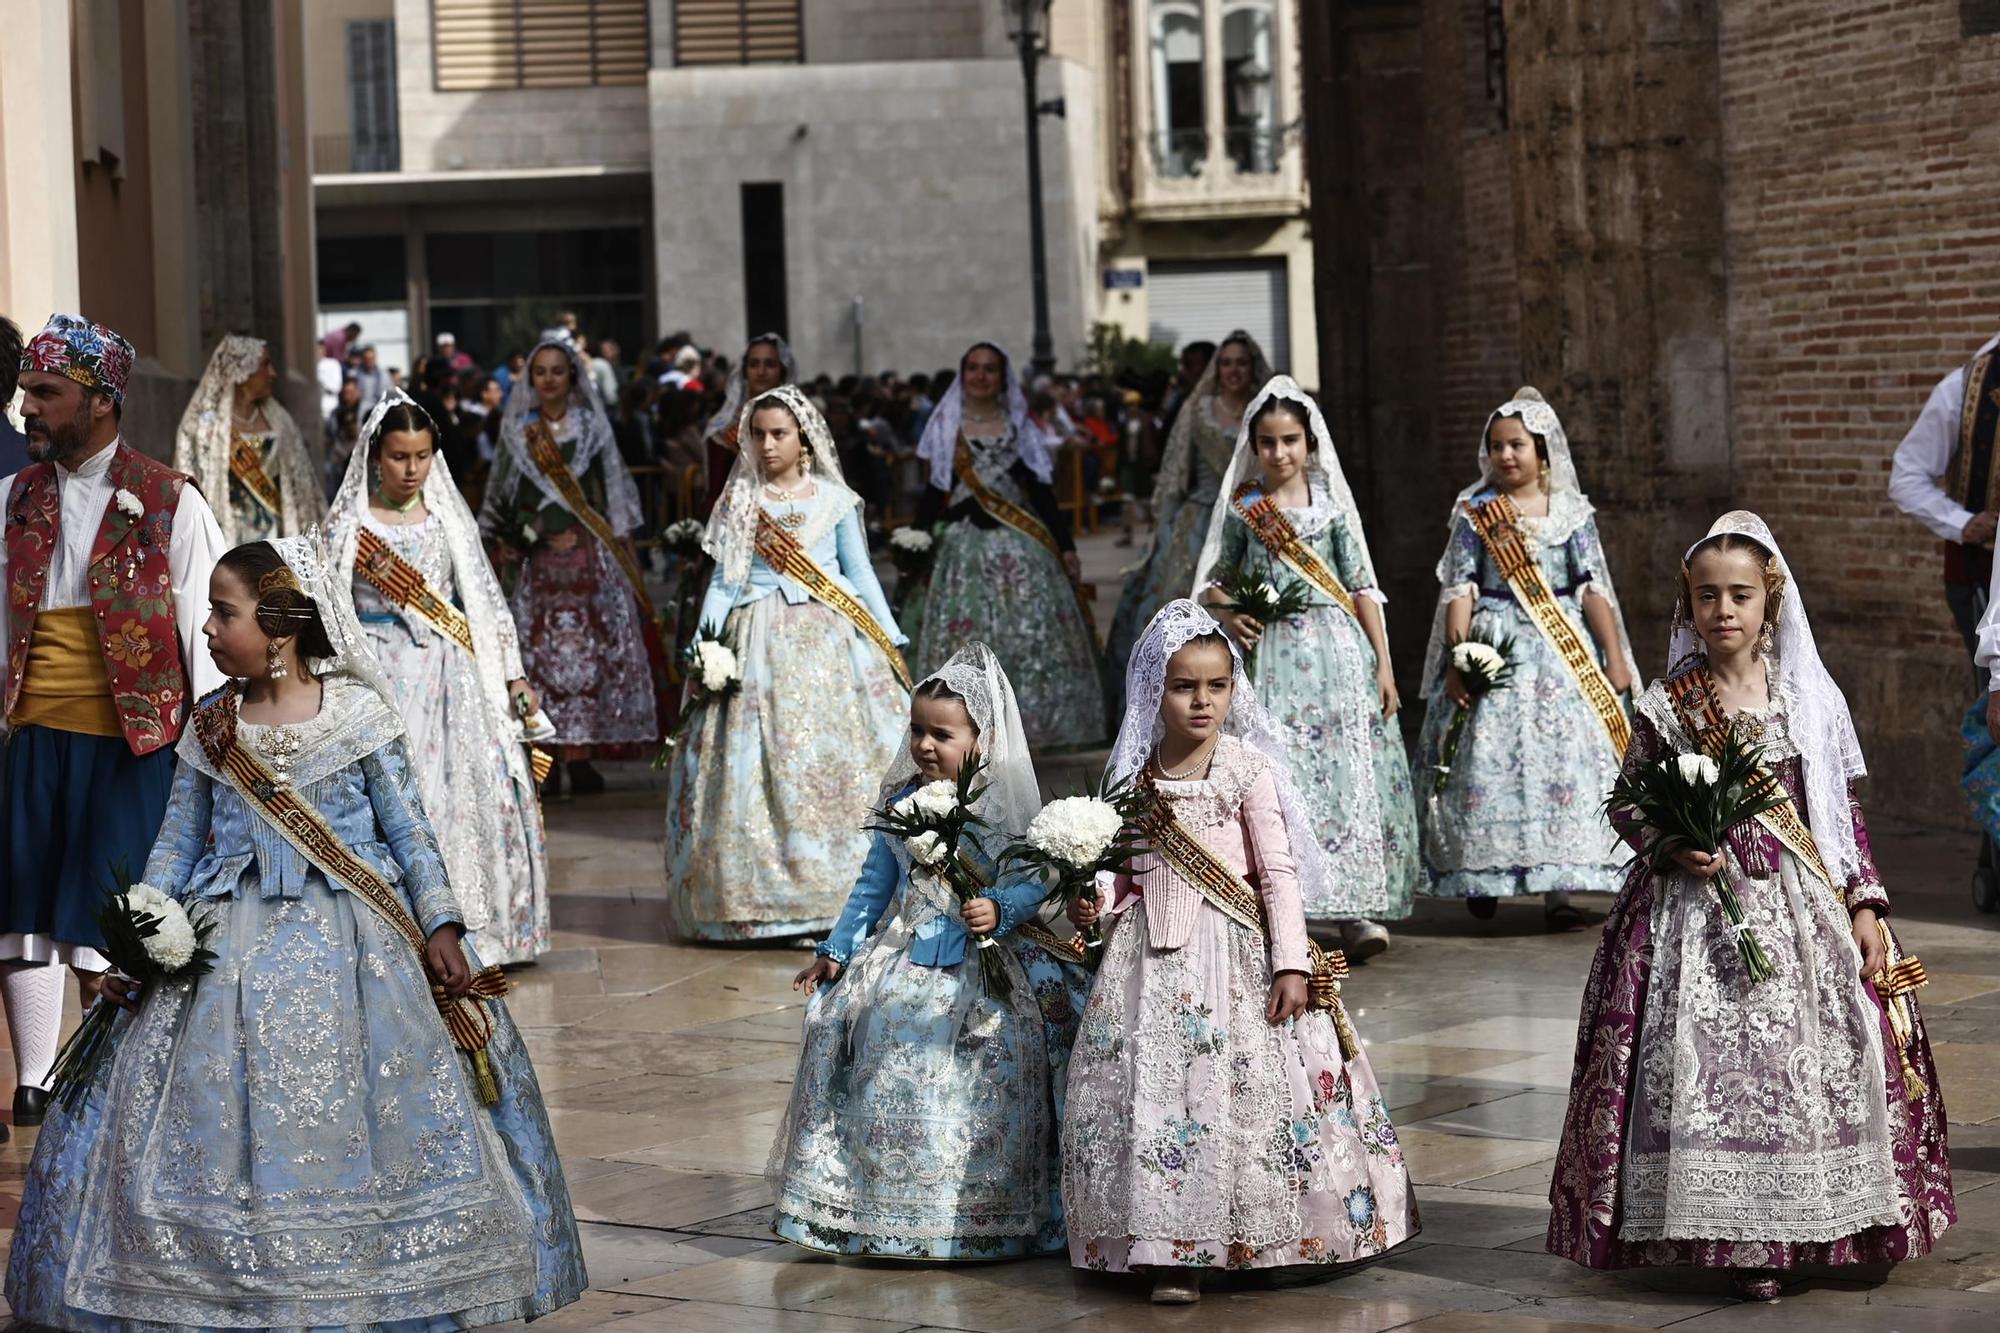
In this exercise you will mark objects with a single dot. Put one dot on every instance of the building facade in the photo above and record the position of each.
(1735, 242)
(849, 172)
(152, 178)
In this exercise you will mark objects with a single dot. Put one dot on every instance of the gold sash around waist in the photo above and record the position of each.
(64, 686)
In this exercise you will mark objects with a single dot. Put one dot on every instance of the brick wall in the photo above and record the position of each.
(1861, 168)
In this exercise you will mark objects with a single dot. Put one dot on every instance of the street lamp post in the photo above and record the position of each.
(1029, 38)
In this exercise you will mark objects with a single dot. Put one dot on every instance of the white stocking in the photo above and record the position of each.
(34, 994)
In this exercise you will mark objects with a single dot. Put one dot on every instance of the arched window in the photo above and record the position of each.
(1249, 86)
(1180, 133)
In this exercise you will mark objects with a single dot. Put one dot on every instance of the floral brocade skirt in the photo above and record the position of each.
(583, 646)
(1008, 592)
(770, 787)
(1198, 1135)
(920, 1121)
(1316, 676)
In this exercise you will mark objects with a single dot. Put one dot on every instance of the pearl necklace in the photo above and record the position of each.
(778, 493)
(1201, 757)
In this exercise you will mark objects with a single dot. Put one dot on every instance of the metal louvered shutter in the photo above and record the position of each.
(1204, 301)
(738, 32)
(485, 44)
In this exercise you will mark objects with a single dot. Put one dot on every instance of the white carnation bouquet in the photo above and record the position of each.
(913, 549)
(933, 821)
(682, 537)
(149, 938)
(1077, 838)
(1484, 665)
(1690, 802)
(712, 665)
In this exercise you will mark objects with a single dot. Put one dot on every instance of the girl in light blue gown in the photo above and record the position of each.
(294, 1140)
(923, 1120)
(1325, 674)
(770, 785)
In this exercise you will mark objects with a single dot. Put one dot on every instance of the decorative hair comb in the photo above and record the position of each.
(281, 577)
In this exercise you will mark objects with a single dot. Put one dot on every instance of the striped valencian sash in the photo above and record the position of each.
(1498, 524)
(782, 552)
(1268, 524)
(406, 587)
(246, 464)
(466, 1017)
(1021, 520)
(1227, 892)
(1699, 709)
(547, 455)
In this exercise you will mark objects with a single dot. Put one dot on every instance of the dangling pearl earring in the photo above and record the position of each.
(274, 659)
(1543, 478)
(1766, 640)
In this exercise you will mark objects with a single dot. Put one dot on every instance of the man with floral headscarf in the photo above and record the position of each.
(105, 561)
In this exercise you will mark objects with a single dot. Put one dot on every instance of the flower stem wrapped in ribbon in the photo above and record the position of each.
(149, 938)
(1690, 802)
(713, 665)
(1076, 838)
(1263, 601)
(1484, 665)
(933, 822)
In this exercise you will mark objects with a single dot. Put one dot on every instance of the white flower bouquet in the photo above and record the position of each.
(712, 665)
(912, 549)
(1484, 665)
(149, 938)
(682, 537)
(1690, 802)
(933, 822)
(1075, 839)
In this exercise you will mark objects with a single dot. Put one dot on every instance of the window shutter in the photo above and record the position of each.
(485, 44)
(738, 32)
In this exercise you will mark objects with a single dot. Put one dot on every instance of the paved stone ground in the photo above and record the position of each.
(666, 1069)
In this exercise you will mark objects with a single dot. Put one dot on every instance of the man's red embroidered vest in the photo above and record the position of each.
(131, 590)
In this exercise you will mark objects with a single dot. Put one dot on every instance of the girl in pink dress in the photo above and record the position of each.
(1215, 1120)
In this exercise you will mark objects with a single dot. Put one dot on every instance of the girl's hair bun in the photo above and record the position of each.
(1529, 393)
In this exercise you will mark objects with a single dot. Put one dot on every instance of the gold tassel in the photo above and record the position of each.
(1900, 976)
(483, 1081)
(540, 762)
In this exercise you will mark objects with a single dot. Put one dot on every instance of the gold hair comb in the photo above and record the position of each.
(281, 577)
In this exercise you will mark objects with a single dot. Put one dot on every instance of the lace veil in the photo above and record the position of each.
(498, 650)
(939, 446)
(1816, 710)
(731, 536)
(1569, 509)
(735, 390)
(351, 658)
(1179, 622)
(1323, 474)
(1014, 797)
(207, 435)
(594, 441)
(1177, 459)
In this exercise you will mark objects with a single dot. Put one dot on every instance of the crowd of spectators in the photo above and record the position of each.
(1109, 422)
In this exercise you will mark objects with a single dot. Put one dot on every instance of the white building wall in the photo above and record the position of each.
(905, 185)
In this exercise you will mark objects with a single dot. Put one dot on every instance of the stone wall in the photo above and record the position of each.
(1734, 241)
(850, 31)
(1861, 168)
(880, 203)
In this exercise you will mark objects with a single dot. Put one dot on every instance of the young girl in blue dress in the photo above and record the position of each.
(923, 1121)
(770, 785)
(294, 1140)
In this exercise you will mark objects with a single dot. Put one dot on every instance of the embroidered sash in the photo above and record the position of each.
(466, 1018)
(1268, 524)
(782, 552)
(405, 586)
(1226, 891)
(1019, 519)
(1700, 711)
(547, 456)
(1975, 465)
(246, 464)
(1499, 527)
